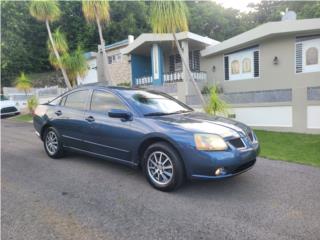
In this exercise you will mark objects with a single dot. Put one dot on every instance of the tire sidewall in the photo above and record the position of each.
(59, 152)
(178, 173)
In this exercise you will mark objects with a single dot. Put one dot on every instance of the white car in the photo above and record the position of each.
(8, 107)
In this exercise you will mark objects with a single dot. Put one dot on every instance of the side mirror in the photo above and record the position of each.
(119, 113)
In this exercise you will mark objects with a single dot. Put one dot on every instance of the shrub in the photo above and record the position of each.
(216, 104)
(32, 103)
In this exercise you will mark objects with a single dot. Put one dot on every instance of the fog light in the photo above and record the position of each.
(219, 171)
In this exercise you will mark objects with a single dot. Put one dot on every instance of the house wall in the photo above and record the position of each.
(287, 95)
(120, 72)
(140, 66)
(92, 75)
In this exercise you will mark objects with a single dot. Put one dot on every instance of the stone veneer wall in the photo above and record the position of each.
(120, 72)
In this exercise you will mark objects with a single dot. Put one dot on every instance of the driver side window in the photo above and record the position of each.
(102, 102)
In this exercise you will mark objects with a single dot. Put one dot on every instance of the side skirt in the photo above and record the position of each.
(113, 159)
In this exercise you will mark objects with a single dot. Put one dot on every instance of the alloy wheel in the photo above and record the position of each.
(160, 167)
(52, 142)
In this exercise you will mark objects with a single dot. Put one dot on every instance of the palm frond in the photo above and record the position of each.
(45, 10)
(60, 41)
(96, 8)
(75, 64)
(169, 16)
(23, 82)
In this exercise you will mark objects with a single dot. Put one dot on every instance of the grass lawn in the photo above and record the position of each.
(23, 118)
(291, 147)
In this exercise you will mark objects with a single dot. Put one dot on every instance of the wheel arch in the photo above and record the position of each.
(154, 139)
(43, 129)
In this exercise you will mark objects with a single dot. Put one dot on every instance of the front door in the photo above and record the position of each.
(105, 136)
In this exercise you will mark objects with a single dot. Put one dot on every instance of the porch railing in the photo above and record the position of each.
(171, 77)
(143, 81)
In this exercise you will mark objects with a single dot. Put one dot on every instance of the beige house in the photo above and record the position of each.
(270, 75)
(118, 64)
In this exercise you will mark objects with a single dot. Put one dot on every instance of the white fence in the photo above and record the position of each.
(43, 94)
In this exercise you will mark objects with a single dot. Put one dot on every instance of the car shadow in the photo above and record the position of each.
(223, 187)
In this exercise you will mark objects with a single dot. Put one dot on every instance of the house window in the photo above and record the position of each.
(175, 63)
(246, 65)
(243, 64)
(116, 58)
(235, 67)
(194, 60)
(308, 54)
(312, 56)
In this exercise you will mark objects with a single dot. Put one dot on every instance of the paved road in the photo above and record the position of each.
(80, 197)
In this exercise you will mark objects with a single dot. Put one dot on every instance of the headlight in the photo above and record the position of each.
(209, 142)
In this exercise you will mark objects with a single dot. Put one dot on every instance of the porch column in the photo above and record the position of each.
(184, 86)
(157, 64)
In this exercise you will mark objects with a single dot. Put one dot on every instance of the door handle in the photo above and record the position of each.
(90, 119)
(58, 113)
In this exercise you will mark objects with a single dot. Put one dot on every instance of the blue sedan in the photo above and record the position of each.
(146, 129)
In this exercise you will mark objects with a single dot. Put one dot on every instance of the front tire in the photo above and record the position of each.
(163, 167)
(52, 143)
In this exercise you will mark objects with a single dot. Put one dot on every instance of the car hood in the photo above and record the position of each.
(203, 123)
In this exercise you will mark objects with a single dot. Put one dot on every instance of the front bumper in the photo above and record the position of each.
(202, 164)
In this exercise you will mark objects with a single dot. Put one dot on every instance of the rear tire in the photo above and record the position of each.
(163, 167)
(52, 143)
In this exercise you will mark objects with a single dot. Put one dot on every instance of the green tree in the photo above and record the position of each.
(215, 104)
(76, 65)
(98, 11)
(23, 83)
(49, 11)
(32, 103)
(170, 17)
(23, 45)
(62, 48)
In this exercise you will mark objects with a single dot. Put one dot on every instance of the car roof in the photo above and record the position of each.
(105, 85)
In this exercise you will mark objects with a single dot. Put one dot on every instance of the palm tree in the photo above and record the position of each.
(98, 11)
(170, 17)
(76, 65)
(49, 11)
(61, 46)
(23, 83)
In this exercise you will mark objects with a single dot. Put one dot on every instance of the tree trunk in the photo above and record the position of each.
(64, 74)
(104, 54)
(186, 65)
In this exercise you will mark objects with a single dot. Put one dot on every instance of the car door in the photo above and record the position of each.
(69, 118)
(106, 136)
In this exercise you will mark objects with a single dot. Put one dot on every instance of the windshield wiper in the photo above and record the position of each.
(180, 111)
(155, 114)
(163, 113)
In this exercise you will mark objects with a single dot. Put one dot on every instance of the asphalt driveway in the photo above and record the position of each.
(80, 197)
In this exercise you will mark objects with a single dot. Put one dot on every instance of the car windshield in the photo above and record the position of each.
(4, 98)
(155, 103)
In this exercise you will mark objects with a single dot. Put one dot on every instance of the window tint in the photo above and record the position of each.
(102, 102)
(76, 100)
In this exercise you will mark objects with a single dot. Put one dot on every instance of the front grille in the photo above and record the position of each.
(9, 110)
(237, 143)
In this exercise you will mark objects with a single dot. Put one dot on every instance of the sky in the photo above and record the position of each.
(237, 4)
